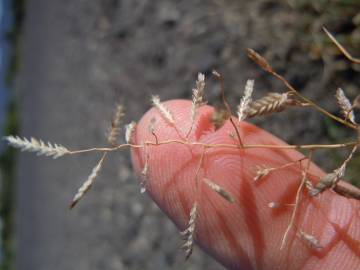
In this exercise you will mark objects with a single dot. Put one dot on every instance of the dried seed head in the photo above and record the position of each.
(246, 100)
(115, 125)
(162, 109)
(271, 103)
(129, 131)
(189, 232)
(345, 105)
(37, 146)
(219, 190)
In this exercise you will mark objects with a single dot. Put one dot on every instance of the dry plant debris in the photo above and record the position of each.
(270, 103)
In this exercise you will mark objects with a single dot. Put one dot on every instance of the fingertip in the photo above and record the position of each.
(247, 233)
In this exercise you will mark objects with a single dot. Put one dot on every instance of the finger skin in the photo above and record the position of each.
(246, 234)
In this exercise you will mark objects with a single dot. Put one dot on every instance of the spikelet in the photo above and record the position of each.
(219, 190)
(144, 173)
(331, 179)
(246, 100)
(345, 105)
(162, 109)
(115, 125)
(189, 232)
(145, 170)
(197, 99)
(271, 103)
(129, 131)
(88, 183)
(151, 126)
(310, 240)
(198, 95)
(309, 185)
(261, 171)
(261, 61)
(38, 146)
(273, 205)
(326, 182)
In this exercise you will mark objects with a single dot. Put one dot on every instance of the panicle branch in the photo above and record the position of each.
(261, 61)
(341, 48)
(297, 200)
(262, 170)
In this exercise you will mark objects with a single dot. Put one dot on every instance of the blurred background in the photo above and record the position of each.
(65, 63)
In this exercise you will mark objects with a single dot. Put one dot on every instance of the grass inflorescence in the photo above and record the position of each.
(269, 104)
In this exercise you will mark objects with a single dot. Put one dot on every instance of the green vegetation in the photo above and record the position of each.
(8, 157)
(8, 170)
(18, 7)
